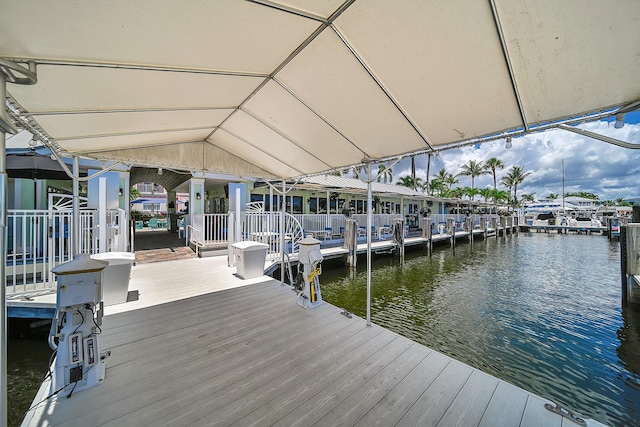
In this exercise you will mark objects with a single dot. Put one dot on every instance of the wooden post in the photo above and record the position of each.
(351, 241)
(623, 266)
(468, 225)
(483, 227)
(635, 214)
(451, 227)
(630, 264)
(398, 236)
(427, 233)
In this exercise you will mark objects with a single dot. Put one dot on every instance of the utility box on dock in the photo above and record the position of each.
(79, 364)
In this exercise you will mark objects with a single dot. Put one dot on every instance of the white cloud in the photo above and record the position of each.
(590, 165)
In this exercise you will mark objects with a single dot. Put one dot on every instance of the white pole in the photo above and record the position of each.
(75, 241)
(102, 214)
(282, 230)
(3, 251)
(238, 236)
(369, 222)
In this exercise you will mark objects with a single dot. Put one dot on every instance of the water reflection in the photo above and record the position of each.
(541, 311)
(629, 336)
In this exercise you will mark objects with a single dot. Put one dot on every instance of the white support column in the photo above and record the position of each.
(238, 216)
(369, 223)
(3, 252)
(282, 230)
(102, 215)
(75, 241)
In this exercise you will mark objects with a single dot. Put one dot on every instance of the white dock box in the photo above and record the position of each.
(250, 258)
(115, 280)
(79, 282)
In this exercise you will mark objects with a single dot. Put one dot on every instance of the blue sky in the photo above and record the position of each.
(590, 165)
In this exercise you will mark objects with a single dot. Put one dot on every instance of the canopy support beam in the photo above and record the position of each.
(505, 51)
(3, 252)
(603, 138)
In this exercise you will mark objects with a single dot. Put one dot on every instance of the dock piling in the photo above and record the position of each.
(427, 233)
(630, 264)
(468, 226)
(351, 241)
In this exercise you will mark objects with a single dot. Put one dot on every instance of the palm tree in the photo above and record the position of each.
(471, 192)
(529, 197)
(408, 181)
(450, 180)
(437, 186)
(499, 196)
(487, 193)
(473, 169)
(493, 164)
(446, 178)
(507, 181)
(133, 193)
(385, 173)
(456, 193)
(518, 175)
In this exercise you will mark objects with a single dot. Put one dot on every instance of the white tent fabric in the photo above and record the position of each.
(278, 89)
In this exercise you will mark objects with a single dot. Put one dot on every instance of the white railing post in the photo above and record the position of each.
(102, 215)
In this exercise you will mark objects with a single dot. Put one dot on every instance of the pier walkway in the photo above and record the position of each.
(200, 347)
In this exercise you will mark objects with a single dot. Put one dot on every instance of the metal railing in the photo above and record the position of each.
(39, 240)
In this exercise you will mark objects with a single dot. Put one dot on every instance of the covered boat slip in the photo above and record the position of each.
(282, 89)
(249, 355)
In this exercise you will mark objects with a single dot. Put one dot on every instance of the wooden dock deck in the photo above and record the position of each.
(185, 354)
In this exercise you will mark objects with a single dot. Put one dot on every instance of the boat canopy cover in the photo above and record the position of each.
(279, 89)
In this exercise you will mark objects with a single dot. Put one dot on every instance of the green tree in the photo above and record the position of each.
(133, 193)
(474, 169)
(494, 164)
(471, 192)
(437, 186)
(486, 193)
(408, 181)
(500, 196)
(456, 193)
(529, 197)
(507, 181)
(441, 175)
(583, 194)
(515, 177)
(385, 173)
(450, 180)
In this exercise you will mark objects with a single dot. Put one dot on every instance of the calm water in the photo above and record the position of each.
(28, 361)
(541, 311)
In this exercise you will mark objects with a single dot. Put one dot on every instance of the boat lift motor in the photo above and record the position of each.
(307, 285)
(78, 363)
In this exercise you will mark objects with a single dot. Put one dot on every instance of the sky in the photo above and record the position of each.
(590, 165)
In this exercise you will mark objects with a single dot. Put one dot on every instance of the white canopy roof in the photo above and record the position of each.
(295, 87)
